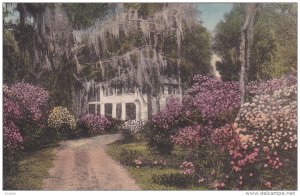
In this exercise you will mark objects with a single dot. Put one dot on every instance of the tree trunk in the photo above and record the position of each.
(149, 105)
(245, 47)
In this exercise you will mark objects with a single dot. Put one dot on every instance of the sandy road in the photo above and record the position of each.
(84, 165)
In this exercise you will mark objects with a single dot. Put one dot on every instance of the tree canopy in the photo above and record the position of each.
(274, 46)
(50, 54)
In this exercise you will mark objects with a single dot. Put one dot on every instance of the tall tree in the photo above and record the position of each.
(247, 33)
(158, 44)
(133, 42)
(227, 41)
(274, 44)
(46, 48)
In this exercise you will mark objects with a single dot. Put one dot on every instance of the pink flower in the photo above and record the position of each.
(268, 184)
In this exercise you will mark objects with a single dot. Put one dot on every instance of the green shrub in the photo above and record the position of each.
(128, 157)
(115, 125)
(127, 136)
(175, 179)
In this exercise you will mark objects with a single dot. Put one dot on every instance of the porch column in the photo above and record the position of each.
(102, 112)
(114, 107)
(123, 116)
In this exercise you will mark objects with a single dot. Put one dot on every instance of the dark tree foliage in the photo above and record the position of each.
(274, 45)
(11, 57)
(227, 44)
(83, 15)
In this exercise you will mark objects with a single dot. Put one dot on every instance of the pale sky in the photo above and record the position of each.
(212, 13)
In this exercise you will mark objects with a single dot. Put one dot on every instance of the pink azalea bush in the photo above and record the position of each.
(212, 100)
(32, 100)
(169, 116)
(188, 136)
(163, 125)
(225, 138)
(94, 124)
(25, 107)
(269, 86)
(12, 138)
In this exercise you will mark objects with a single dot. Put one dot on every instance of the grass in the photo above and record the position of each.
(143, 175)
(33, 168)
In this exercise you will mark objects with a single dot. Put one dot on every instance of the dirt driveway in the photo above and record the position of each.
(84, 165)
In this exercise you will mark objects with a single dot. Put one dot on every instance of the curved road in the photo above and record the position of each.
(84, 165)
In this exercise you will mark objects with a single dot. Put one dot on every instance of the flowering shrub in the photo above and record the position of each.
(225, 138)
(94, 124)
(209, 108)
(169, 116)
(187, 167)
(212, 100)
(188, 136)
(271, 119)
(269, 86)
(268, 127)
(133, 126)
(130, 128)
(11, 134)
(228, 146)
(163, 125)
(24, 109)
(12, 138)
(32, 100)
(62, 121)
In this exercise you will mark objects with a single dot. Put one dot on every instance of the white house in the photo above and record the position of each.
(129, 103)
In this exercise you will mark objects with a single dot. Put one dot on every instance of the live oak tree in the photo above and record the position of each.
(49, 54)
(155, 45)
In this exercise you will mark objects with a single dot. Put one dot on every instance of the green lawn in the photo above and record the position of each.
(33, 169)
(143, 175)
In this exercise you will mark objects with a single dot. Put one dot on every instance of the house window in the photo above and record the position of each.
(162, 90)
(129, 90)
(98, 107)
(130, 111)
(110, 91)
(97, 93)
(119, 111)
(108, 109)
(105, 91)
(170, 90)
(91, 108)
(118, 90)
(165, 89)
